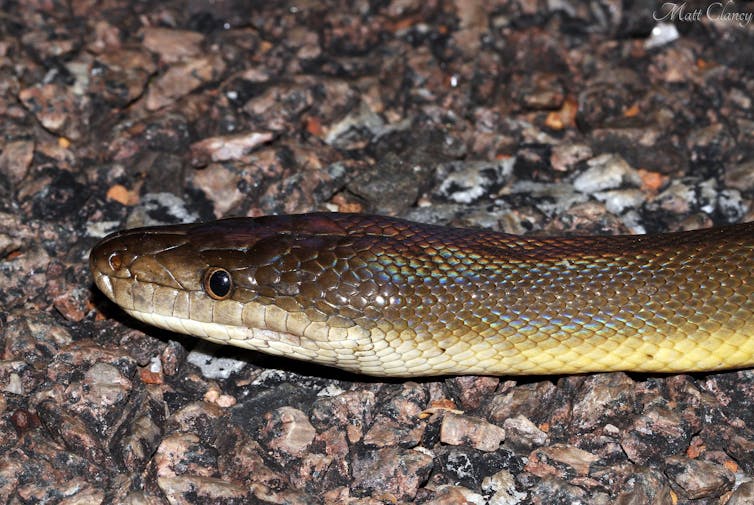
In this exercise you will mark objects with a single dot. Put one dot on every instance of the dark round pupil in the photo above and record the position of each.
(219, 283)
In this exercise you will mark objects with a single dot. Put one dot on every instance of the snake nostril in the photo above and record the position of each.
(115, 261)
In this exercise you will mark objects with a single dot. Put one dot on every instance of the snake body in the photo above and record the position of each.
(389, 297)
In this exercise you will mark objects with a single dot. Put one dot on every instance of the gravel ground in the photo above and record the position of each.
(558, 117)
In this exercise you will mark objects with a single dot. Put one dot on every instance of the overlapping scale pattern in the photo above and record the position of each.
(390, 297)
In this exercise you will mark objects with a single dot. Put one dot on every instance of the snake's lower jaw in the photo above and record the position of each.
(269, 342)
(250, 338)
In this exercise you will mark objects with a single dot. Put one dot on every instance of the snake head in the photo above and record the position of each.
(260, 284)
(139, 256)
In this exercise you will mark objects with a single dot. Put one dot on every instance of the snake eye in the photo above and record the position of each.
(217, 283)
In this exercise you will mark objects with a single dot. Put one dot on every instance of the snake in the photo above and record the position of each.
(388, 297)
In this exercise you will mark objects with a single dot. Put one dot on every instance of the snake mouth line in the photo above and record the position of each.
(256, 339)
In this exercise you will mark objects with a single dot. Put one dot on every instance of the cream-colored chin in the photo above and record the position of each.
(273, 342)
